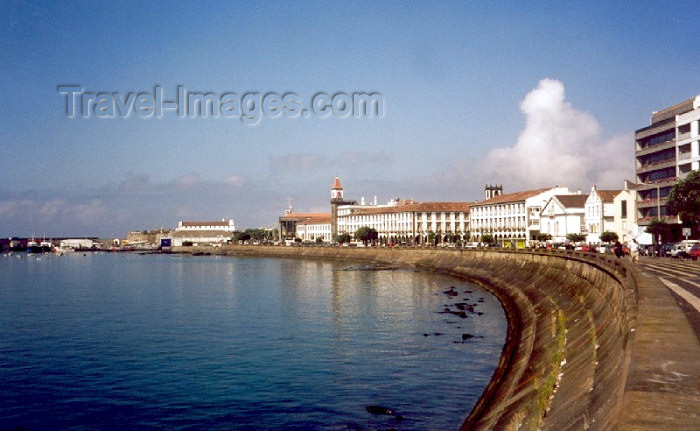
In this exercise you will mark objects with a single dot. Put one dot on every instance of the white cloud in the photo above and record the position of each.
(52, 208)
(11, 207)
(187, 180)
(297, 162)
(234, 181)
(559, 145)
(90, 213)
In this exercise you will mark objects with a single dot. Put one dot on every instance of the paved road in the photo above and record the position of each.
(682, 278)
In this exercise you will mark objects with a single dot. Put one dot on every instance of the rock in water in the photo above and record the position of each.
(380, 410)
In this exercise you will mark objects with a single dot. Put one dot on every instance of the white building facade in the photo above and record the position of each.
(512, 219)
(688, 140)
(600, 213)
(223, 225)
(312, 229)
(201, 233)
(563, 215)
(409, 223)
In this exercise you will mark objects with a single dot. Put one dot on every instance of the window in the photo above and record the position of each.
(623, 209)
(659, 138)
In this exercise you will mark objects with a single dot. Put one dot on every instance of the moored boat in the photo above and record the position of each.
(33, 247)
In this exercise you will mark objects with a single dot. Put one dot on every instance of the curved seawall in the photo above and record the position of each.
(565, 362)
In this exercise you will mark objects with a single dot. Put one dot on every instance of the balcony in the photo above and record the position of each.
(646, 221)
(651, 202)
(655, 148)
(685, 156)
(663, 164)
(662, 182)
(684, 136)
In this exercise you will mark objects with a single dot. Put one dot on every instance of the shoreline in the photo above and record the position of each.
(570, 318)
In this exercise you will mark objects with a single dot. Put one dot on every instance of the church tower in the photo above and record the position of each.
(337, 200)
(492, 191)
(336, 190)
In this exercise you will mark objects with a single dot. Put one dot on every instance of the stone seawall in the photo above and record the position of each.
(571, 318)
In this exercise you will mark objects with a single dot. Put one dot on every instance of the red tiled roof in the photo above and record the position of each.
(419, 206)
(572, 201)
(304, 216)
(512, 197)
(336, 184)
(316, 220)
(608, 195)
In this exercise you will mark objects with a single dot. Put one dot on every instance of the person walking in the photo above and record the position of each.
(634, 250)
(617, 249)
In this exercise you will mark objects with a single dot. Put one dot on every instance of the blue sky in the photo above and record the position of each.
(465, 86)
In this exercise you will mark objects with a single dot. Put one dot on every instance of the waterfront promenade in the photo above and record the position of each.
(663, 385)
(594, 342)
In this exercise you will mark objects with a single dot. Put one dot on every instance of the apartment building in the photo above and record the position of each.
(665, 151)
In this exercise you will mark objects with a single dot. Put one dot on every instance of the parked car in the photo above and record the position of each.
(682, 248)
(647, 250)
(665, 249)
(694, 252)
(678, 251)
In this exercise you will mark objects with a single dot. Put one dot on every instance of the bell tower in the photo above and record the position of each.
(336, 190)
(492, 191)
(337, 199)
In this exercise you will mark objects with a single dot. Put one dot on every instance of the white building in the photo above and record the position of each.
(200, 233)
(563, 215)
(625, 218)
(77, 243)
(310, 229)
(513, 218)
(223, 225)
(688, 140)
(409, 222)
(600, 213)
(397, 222)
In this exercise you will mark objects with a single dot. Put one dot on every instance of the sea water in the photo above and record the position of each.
(124, 341)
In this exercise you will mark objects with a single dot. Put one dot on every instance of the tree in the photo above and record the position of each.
(659, 228)
(431, 237)
(488, 238)
(366, 234)
(543, 237)
(608, 236)
(576, 237)
(240, 236)
(319, 240)
(343, 237)
(684, 200)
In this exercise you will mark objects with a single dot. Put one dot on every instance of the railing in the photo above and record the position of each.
(683, 136)
(657, 146)
(650, 164)
(661, 180)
